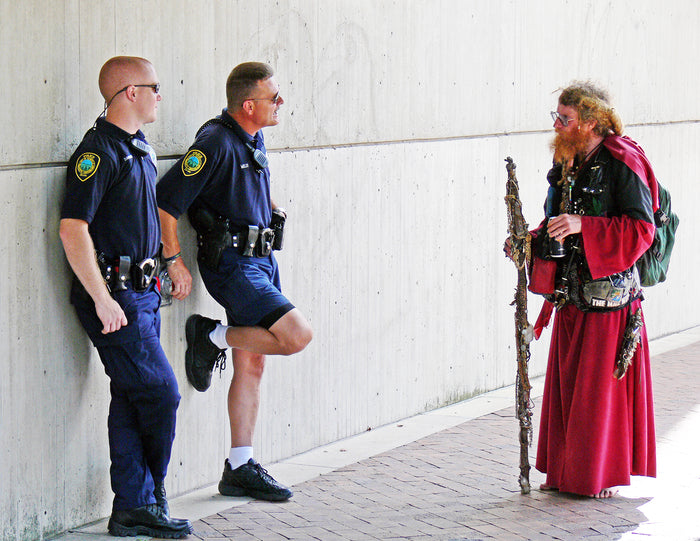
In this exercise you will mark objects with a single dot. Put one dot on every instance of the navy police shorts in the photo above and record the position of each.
(248, 288)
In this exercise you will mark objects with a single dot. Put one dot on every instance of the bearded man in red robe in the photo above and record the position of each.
(596, 430)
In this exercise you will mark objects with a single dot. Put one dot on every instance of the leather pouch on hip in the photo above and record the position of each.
(611, 292)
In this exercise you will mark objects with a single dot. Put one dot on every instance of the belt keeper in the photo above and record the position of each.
(123, 273)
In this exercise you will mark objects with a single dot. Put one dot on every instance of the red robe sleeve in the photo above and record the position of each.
(614, 244)
(542, 272)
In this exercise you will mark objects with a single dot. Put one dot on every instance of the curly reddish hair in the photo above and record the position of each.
(592, 103)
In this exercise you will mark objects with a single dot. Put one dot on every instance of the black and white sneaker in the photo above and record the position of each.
(251, 479)
(202, 355)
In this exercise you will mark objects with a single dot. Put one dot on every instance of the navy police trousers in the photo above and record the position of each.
(144, 393)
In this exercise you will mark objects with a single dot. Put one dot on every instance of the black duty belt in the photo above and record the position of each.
(118, 272)
(216, 233)
(253, 241)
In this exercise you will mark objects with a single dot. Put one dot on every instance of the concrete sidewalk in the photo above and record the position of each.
(452, 474)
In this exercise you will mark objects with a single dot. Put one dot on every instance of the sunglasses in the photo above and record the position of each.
(274, 99)
(155, 87)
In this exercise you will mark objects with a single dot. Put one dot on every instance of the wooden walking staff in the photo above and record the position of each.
(519, 237)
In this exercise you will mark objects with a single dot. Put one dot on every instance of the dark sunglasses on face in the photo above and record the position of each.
(155, 87)
(274, 99)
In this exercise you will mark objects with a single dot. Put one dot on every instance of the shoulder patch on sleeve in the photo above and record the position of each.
(193, 162)
(86, 165)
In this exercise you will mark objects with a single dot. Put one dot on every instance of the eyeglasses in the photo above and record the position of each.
(561, 118)
(274, 99)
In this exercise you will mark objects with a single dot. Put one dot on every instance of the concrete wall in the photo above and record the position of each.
(389, 158)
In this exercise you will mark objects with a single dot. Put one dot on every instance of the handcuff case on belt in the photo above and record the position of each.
(118, 272)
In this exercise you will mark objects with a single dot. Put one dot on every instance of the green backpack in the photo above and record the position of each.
(653, 265)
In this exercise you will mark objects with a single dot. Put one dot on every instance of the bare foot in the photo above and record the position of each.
(547, 488)
(605, 493)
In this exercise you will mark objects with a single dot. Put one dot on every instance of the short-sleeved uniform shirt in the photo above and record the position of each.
(219, 173)
(112, 186)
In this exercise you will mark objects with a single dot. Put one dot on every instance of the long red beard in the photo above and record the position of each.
(566, 148)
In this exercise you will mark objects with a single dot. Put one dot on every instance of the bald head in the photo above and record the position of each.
(121, 71)
(130, 87)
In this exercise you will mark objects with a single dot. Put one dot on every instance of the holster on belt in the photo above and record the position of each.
(214, 235)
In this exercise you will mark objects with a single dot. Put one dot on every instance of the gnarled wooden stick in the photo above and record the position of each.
(520, 254)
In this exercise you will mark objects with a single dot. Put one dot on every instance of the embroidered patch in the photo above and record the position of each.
(86, 165)
(193, 162)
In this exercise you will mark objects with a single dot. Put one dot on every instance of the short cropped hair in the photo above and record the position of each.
(592, 103)
(118, 72)
(242, 80)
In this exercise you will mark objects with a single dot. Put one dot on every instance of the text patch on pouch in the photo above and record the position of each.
(193, 162)
(86, 165)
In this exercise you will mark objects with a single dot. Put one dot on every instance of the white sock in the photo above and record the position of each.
(238, 456)
(218, 336)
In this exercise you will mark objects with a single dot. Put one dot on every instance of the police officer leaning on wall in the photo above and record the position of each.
(111, 234)
(223, 183)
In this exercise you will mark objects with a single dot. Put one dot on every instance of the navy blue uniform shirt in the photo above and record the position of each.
(112, 187)
(219, 173)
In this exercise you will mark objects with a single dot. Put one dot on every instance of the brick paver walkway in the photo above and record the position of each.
(461, 484)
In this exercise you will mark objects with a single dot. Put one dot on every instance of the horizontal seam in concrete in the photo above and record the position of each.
(39, 165)
(50, 165)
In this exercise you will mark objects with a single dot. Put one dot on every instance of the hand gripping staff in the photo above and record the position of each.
(519, 237)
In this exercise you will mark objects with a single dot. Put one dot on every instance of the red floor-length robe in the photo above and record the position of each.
(596, 430)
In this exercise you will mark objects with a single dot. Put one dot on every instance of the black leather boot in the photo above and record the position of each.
(161, 500)
(147, 520)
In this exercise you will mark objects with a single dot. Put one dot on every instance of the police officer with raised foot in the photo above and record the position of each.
(223, 183)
